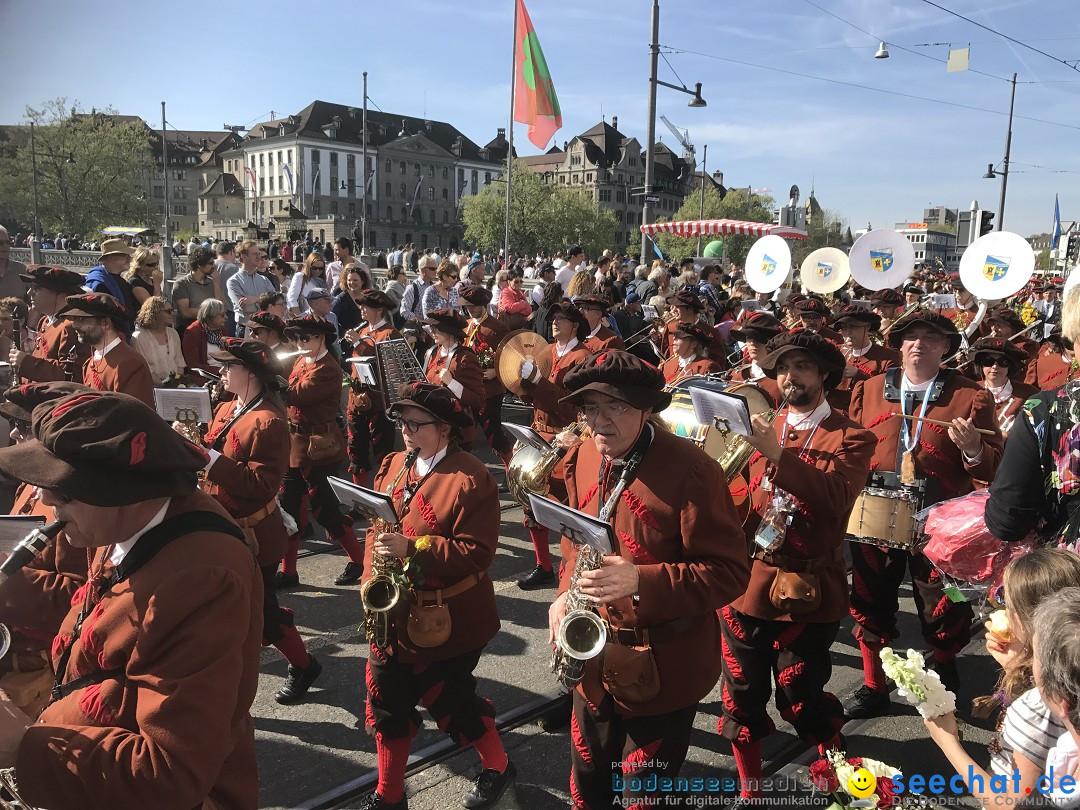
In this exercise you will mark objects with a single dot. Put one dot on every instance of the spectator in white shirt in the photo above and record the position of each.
(246, 287)
(574, 261)
(311, 276)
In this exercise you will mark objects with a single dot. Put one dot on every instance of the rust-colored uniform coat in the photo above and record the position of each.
(313, 397)
(52, 347)
(123, 369)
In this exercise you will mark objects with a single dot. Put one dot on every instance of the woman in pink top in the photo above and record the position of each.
(514, 306)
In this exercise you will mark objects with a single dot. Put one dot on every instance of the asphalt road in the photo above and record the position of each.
(308, 749)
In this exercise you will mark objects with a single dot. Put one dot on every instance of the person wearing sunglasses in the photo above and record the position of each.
(998, 361)
(317, 446)
(145, 276)
(448, 507)
(1004, 322)
(311, 276)
(157, 341)
(451, 363)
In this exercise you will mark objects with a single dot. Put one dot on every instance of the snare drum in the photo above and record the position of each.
(885, 517)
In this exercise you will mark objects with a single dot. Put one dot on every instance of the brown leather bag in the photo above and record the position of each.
(324, 448)
(795, 592)
(429, 625)
(629, 673)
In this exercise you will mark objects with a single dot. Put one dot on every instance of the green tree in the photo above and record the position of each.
(738, 203)
(1042, 260)
(543, 217)
(91, 170)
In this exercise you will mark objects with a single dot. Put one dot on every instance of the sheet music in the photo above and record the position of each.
(366, 501)
(174, 403)
(726, 411)
(365, 369)
(573, 524)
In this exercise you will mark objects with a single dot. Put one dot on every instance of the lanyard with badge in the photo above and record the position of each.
(780, 512)
(909, 441)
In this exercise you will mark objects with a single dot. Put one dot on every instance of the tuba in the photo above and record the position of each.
(382, 592)
(529, 468)
(582, 634)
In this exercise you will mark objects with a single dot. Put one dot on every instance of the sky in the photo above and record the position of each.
(772, 119)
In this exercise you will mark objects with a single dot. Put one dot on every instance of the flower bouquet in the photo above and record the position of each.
(854, 781)
(920, 687)
(485, 355)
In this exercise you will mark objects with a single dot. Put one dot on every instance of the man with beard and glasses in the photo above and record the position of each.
(806, 474)
(99, 320)
(57, 349)
(939, 461)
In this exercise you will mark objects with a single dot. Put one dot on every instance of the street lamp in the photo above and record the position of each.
(695, 101)
(991, 173)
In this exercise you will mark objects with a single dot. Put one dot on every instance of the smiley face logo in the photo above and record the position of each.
(861, 784)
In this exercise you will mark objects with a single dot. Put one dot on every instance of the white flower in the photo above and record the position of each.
(918, 686)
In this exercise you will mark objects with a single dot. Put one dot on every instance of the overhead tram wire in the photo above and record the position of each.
(956, 104)
(1069, 64)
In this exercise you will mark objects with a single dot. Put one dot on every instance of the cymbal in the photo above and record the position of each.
(514, 349)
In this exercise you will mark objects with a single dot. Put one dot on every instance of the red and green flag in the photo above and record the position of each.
(535, 102)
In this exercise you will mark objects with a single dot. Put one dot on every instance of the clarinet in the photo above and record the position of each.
(29, 547)
(71, 363)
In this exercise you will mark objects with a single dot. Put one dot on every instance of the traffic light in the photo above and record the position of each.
(1072, 250)
(986, 222)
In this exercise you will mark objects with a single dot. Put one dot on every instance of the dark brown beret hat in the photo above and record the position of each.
(1006, 316)
(887, 298)
(309, 325)
(825, 353)
(621, 376)
(567, 309)
(105, 449)
(375, 298)
(592, 302)
(255, 356)
(812, 305)
(266, 320)
(56, 279)
(698, 331)
(929, 318)
(760, 326)
(446, 320)
(858, 315)
(1000, 347)
(475, 296)
(686, 298)
(20, 401)
(436, 400)
(94, 305)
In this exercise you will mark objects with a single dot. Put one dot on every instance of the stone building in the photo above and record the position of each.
(417, 172)
(610, 167)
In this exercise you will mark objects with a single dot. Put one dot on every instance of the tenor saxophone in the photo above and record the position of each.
(381, 593)
(582, 634)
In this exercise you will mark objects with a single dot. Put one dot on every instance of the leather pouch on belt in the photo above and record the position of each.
(429, 625)
(629, 673)
(795, 592)
(324, 448)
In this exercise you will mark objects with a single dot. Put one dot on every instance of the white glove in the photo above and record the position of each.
(530, 372)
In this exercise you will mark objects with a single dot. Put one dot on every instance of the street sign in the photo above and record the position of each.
(652, 199)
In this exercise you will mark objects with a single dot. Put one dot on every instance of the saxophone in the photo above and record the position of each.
(582, 634)
(382, 592)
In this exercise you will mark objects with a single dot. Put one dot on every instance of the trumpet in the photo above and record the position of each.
(381, 593)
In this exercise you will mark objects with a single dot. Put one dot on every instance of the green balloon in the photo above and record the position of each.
(715, 249)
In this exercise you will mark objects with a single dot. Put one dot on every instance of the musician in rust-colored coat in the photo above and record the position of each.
(552, 414)
(483, 336)
(998, 361)
(248, 444)
(453, 365)
(691, 354)
(601, 336)
(58, 352)
(313, 397)
(865, 359)
(114, 365)
(1056, 364)
(1003, 322)
(756, 331)
(946, 461)
(448, 505)
(679, 557)
(35, 599)
(811, 460)
(686, 307)
(814, 315)
(155, 684)
(371, 436)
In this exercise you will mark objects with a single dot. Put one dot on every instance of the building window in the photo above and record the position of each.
(389, 189)
(620, 196)
(416, 170)
(461, 176)
(389, 213)
(588, 177)
(290, 156)
(431, 217)
(445, 217)
(333, 208)
(487, 178)
(445, 194)
(350, 163)
(368, 209)
(352, 209)
(262, 185)
(279, 157)
(402, 191)
(315, 156)
(280, 205)
(315, 206)
(431, 194)
(333, 158)
(431, 171)
(404, 214)
(445, 173)
(271, 185)
(389, 165)
(402, 167)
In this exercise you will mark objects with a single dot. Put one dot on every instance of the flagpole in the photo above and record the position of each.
(510, 140)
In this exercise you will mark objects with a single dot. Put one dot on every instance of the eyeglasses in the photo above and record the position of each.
(412, 426)
(318, 267)
(986, 362)
(610, 410)
(305, 338)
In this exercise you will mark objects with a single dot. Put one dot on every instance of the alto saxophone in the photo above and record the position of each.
(381, 593)
(582, 634)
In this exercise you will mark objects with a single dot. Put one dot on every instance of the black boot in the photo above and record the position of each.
(352, 573)
(298, 681)
(373, 802)
(537, 578)
(283, 580)
(490, 785)
(867, 702)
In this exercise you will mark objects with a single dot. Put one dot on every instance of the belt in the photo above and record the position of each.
(254, 519)
(310, 430)
(657, 634)
(437, 596)
(798, 565)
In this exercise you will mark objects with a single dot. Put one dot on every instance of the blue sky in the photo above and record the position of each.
(873, 157)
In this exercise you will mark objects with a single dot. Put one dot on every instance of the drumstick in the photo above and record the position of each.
(983, 431)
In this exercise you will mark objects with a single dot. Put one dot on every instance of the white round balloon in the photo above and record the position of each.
(882, 260)
(825, 270)
(768, 264)
(997, 265)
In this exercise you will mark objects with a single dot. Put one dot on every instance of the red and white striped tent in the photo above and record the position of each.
(709, 227)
